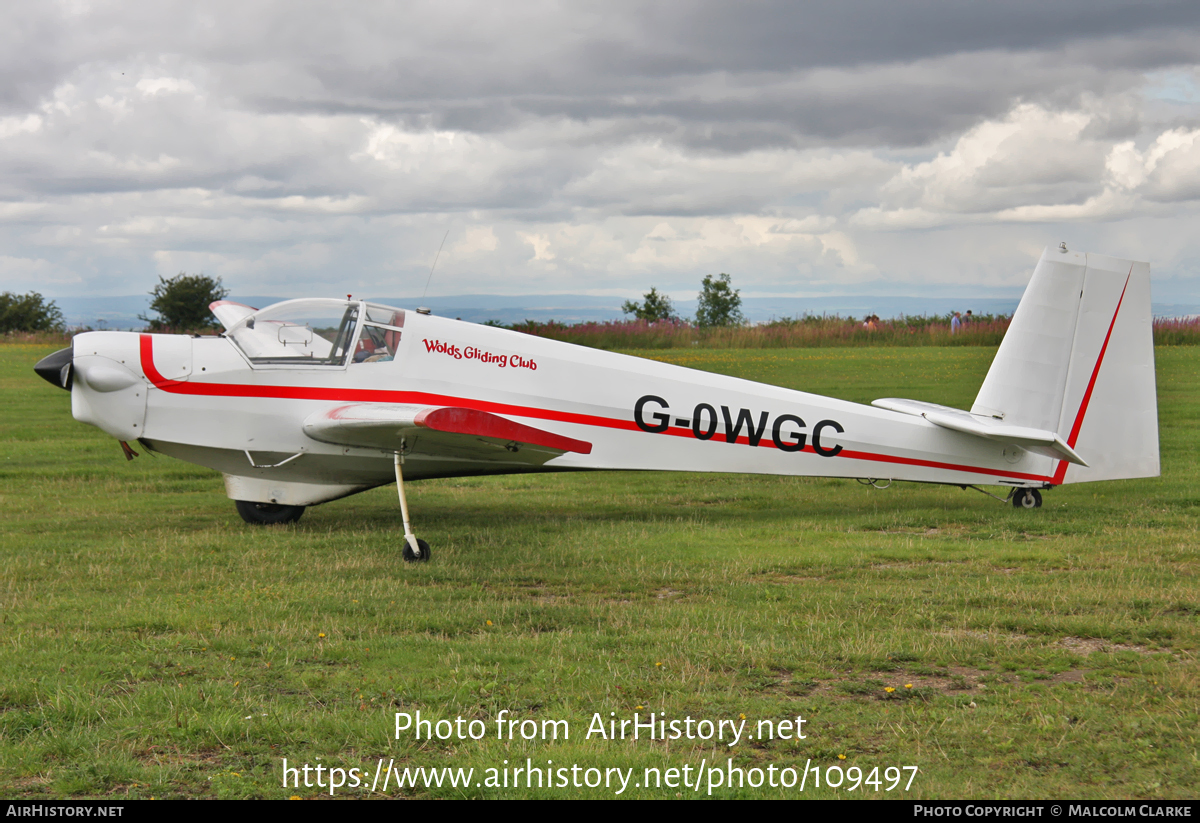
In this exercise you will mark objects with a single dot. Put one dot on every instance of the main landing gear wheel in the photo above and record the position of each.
(265, 514)
(1027, 499)
(409, 557)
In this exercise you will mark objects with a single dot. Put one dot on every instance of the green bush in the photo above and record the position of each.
(182, 302)
(29, 312)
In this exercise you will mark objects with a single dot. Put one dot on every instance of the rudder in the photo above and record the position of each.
(1078, 359)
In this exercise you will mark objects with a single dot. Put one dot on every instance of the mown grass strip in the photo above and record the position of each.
(154, 645)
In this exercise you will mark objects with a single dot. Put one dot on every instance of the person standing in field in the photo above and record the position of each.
(955, 323)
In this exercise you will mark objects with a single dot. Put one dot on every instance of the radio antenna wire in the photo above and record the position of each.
(431, 268)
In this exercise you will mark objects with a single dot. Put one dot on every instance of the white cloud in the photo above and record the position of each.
(406, 152)
(1030, 153)
(9, 126)
(877, 218)
(20, 274)
(165, 85)
(474, 240)
(540, 244)
(841, 247)
(1172, 166)
(1039, 167)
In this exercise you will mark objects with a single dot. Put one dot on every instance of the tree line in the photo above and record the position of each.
(181, 303)
(29, 313)
(718, 305)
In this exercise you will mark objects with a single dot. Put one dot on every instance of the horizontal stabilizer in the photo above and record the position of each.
(450, 431)
(1038, 441)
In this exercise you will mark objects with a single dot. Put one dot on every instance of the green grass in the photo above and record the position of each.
(152, 644)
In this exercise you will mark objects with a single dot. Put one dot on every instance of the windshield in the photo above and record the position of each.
(299, 332)
(381, 332)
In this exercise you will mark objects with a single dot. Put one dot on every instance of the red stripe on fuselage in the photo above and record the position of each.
(358, 395)
(146, 348)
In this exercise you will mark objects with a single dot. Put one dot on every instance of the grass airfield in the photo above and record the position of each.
(153, 645)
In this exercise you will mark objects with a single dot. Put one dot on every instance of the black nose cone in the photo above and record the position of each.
(56, 368)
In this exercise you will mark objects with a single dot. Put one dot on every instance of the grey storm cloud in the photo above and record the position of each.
(730, 76)
(582, 145)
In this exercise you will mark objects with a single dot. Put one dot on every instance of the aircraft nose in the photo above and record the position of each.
(56, 368)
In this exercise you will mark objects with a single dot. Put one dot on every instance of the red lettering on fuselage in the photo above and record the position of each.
(503, 361)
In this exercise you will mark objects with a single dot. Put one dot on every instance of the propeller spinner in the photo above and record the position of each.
(56, 368)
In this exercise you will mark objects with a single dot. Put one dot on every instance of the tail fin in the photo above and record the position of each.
(1078, 359)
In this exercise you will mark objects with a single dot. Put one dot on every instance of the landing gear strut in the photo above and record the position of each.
(415, 551)
(1027, 499)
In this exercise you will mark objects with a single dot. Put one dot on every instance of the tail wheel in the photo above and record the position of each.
(1027, 499)
(265, 514)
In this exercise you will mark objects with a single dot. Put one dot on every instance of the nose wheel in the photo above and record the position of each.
(1027, 499)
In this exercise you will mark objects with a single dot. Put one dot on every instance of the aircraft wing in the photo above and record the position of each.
(446, 431)
(1038, 441)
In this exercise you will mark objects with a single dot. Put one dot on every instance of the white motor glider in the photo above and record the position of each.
(307, 401)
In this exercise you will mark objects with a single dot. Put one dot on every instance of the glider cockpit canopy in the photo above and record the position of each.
(317, 332)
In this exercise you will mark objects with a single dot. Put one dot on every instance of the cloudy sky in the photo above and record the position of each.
(871, 146)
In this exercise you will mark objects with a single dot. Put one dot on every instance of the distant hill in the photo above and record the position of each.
(122, 312)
